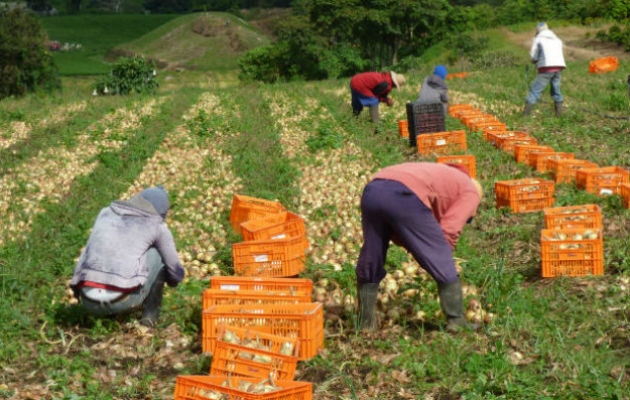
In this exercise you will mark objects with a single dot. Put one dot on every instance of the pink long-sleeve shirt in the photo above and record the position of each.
(448, 192)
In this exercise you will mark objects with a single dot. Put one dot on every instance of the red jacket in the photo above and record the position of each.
(372, 84)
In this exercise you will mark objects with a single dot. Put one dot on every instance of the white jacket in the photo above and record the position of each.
(546, 50)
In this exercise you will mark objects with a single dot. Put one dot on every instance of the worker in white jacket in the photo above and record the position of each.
(546, 53)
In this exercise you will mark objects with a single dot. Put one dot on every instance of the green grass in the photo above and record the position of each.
(97, 34)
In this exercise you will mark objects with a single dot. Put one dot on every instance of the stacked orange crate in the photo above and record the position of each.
(245, 208)
(524, 195)
(571, 252)
(565, 170)
(441, 142)
(521, 151)
(467, 160)
(602, 181)
(586, 216)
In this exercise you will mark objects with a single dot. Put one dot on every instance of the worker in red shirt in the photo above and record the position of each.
(422, 207)
(371, 88)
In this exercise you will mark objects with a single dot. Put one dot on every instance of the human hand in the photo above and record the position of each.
(389, 101)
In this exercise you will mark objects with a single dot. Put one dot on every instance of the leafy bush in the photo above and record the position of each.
(25, 65)
(616, 35)
(129, 74)
(326, 137)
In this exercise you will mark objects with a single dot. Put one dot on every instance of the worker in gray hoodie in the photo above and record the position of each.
(129, 256)
(434, 89)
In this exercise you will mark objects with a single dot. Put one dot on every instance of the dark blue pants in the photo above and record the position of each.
(389, 207)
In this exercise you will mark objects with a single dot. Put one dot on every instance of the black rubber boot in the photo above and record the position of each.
(527, 109)
(558, 108)
(153, 303)
(452, 302)
(367, 306)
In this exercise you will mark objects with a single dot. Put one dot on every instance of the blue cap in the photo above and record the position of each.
(158, 198)
(440, 71)
(541, 27)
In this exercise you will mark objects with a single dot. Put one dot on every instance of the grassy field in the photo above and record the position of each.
(205, 137)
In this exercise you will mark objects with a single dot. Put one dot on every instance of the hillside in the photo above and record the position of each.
(206, 41)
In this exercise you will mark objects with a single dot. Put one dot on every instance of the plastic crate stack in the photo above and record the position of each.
(258, 327)
(572, 243)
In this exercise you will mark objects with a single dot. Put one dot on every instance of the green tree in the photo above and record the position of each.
(25, 65)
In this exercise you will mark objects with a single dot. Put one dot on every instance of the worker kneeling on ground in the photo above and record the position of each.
(129, 256)
(422, 207)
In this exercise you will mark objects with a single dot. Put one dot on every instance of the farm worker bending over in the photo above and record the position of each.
(422, 207)
(434, 89)
(129, 256)
(370, 88)
(546, 53)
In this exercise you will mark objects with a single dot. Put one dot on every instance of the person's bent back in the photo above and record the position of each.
(129, 256)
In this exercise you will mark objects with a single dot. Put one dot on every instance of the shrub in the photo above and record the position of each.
(129, 74)
(25, 65)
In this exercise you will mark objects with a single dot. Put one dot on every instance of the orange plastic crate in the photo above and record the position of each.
(492, 129)
(624, 190)
(303, 321)
(521, 151)
(468, 160)
(458, 107)
(507, 144)
(605, 64)
(245, 208)
(273, 342)
(524, 195)
(271, 258)
(480, 126)
(497, 138)
(464, 112)
(542, 161)
(565, 170)
(403, 128)
(275, 226)
(571, 255)
(215, 297)
(468, 119)
(457, 75)
(191, 387)
(262, 284)
(441, 142)
(602, 181)
(586, 216)
(239, 360)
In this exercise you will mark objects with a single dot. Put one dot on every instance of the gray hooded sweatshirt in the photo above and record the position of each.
(433, 90)
(116, 250)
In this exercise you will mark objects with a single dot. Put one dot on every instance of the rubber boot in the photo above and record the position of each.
(367, 306)
(153, 303)
(374, 114)
(452, 302)
(558, 107)
(527, 109)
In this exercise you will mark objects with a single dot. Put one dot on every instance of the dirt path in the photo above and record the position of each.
(577, 47)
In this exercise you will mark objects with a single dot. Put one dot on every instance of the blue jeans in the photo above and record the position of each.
(133, 300)
(359, 100)
(540, 83)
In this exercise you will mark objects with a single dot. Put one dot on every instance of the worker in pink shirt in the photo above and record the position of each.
(422, 207)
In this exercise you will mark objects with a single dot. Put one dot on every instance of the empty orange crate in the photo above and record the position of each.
(242, 335)
(602, 181)
(201, 387)
(570, 252)
(458, 107)
(564, 170)
(542, 161)
(521, 151)
(303, 321)
(215, 297)
(272, 258)
(624, 190)
(275, 226)
(262, 284)
(524, 195)
(586, 216)
(245, 208)
(441, 142)
(403, 128)
(467, 160)
(251, 362)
